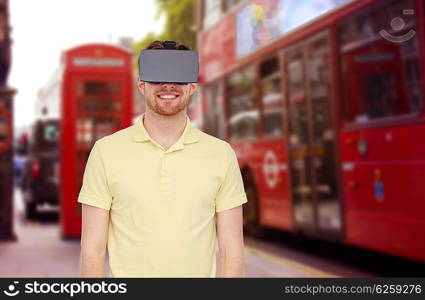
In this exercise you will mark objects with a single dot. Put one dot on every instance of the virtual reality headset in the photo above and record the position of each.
(166, 65)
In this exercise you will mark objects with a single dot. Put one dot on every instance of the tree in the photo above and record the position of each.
(179, 21)
(179, 24)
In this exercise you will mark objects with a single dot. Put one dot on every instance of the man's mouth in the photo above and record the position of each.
(168, 96)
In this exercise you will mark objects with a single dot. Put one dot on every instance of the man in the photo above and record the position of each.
(159, 194)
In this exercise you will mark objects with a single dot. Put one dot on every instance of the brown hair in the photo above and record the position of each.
(167, 45)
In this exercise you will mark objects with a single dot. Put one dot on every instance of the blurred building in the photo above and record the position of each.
(47, 102)
(6, 127)
(4, 43)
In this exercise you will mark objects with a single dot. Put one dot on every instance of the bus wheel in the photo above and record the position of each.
(250, 212)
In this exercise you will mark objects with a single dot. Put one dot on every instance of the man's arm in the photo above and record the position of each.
(94, 237)
(230, 242)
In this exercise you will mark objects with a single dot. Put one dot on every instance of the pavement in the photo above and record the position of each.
(41, 252)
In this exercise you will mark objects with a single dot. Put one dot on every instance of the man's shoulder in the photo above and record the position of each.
(212, 142)
(118, 138)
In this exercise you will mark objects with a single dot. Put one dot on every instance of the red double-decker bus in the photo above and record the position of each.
(89, 96)
(323, 103)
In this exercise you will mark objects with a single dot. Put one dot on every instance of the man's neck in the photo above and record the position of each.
(165, 130)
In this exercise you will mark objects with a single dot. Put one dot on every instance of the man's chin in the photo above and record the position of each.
(166, 110)
(169, 113)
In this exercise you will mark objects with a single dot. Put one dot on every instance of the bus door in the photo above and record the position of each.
(316, 205)
(99, 112)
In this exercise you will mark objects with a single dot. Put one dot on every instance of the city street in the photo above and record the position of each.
(313, 110)
(40, 252)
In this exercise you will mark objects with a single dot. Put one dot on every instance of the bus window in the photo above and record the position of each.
(212, 10)
(229, 4)
(271, 97)
(194, 109)
(45, 135)
(299, 139)
(319, 80)
(297, 115)
(51, 133)
(214, 124)
(242, 104)
(381, 78)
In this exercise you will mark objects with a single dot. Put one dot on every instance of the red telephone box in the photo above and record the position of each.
(96, 101)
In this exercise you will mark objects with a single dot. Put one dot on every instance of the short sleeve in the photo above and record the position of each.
(95, 190)
(231, 192)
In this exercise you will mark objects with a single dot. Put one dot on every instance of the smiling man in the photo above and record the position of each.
(160, 194)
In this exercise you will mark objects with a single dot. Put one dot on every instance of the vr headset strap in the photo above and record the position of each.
(169, 44)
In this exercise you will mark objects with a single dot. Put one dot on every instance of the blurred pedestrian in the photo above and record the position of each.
(18, 165)
(160, 194)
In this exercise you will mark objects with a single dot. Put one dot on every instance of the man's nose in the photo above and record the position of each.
(168, 85)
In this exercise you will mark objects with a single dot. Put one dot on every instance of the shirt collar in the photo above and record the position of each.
(140, 134)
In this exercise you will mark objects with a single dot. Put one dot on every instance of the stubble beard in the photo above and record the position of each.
(167, 109)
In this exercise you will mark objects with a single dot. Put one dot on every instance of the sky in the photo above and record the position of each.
(42, 29)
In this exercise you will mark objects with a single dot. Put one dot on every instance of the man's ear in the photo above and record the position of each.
(141, 86)
(192, 88)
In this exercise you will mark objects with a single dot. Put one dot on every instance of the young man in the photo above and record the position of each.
(159, 194)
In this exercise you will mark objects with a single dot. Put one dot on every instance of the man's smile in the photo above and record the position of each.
(168, 96)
